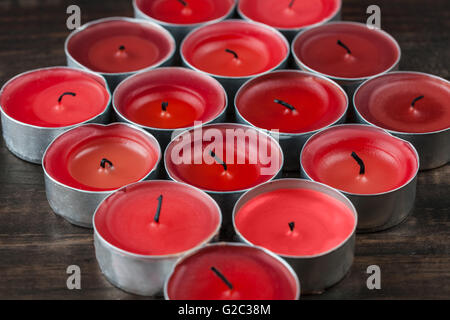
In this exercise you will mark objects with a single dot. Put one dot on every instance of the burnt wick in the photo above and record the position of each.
(184, 3)
(413, 103)
(233, 53)
(291, 226)
(73, 94)
(222, 277)
(291, 3)
(218, 160)
(284, 104)
(104, 162)
(339, 42)
(362, 167)
(158, 209)
(164, 105)
(122, 48)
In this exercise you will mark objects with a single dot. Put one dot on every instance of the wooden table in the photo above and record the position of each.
(36, 246)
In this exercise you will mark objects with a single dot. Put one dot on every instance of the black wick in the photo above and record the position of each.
(222, 277)
(104, 162)
(415, 100)
(184, 3)
(284, 104)
(164, 106)
(291, 225)
(362, 167)
(213, 154)
(339, 42)
(66, 94)
(233, 53)
(291, 3)
(122, 48)
(158, 209)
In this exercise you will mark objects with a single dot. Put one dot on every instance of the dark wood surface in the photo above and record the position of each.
(36, 246)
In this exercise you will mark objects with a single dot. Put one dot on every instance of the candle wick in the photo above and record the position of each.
(413, 103)
(339, 42)
(73, 94)
(184, 3)
(164, 106)
(122, 48)
(291, 226)
(104, 162)
(233, 53)
(284, 104)
(213, 154)
(291, 3)
(222, 277)
(362, 167)
(158, 209)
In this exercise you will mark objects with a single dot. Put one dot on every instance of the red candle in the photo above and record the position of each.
(407, 102)
(185, 12)
(289, 14)
(170, 98)
(346, 50)
(234, 48)
(119, 45)
(54, 97)
(359, 159)
(101, 158)
(291, 101)
(232, 272)
(239, 158)
(157, 218)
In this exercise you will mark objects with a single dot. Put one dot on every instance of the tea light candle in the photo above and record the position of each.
(38, 105)
(234, 51)
(239, 159)
(290, 16)
(231, 271)
(181, 16)
(141, 230)
(310, 225)
(167, 99)
(347, 52)
(377, 171)
(85, 164)
(412, 106)
(295, 103)
(119, 47)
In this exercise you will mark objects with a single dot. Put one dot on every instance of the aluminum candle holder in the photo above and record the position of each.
(28, 142)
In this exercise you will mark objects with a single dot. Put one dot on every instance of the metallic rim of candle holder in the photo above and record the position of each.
(287, 140)
(343, 80)
(164, 135)
(290, 33)
(424, 142)
(114, 78)
(307, 266)
(77, 205)
(42, 136)
(118, 273)
(235, 244)
(406, 192)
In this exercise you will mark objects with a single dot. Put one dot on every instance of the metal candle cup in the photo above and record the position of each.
(433, 146)
(376, 210)
(140, 272)
(291, 143)
(28, 141)
(77, 203)
(142, 26)
(319, 271)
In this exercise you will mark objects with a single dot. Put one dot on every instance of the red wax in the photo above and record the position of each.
(389, 162)
(388, 102)
(188, 96)
(205, 172)
(74, 158)
(317, 102)
(116, 46)
(32, 97)
(254, 275)
(321, 221)
(258, 49)
(371, 51)
(188, 218)
(189, 12)
(289, 14)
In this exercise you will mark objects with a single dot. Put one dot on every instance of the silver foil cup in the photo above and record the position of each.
(114, 79)
(380, 211)
(276, 257)
(317, 272)
(77, 206)
(433, 147)
(135, 273)
(29, 142)
(291, 143)
(178, 31)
